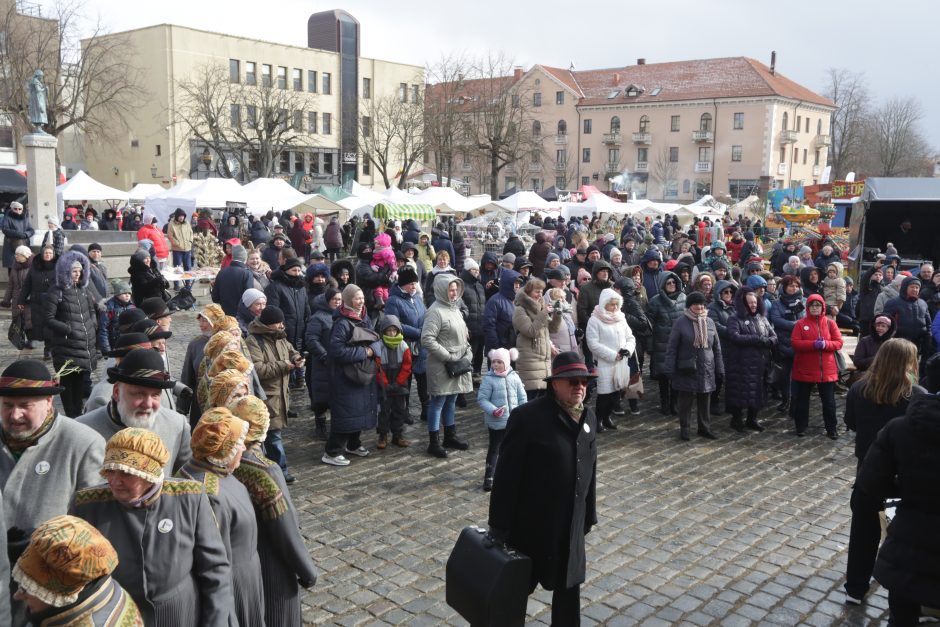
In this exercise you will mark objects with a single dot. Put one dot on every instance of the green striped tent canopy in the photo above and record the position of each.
(392, 211)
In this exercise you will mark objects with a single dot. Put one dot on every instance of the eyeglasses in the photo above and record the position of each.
(577, 382)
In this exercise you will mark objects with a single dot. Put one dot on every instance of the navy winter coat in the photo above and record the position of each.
(709, 365)
(289, 294)
(442, 242)
(750, 339)
(316, 342)
(910, 315)
(39, 279)
(720, 311)
(475, 300)
(353, 407)
(230, 284)
(662, 313)
(497, 315)
(410, 311)
(784, 313)
(17, 231)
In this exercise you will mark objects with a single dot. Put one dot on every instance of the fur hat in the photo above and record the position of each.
(138, 452)
(505, 355)
(695, 298)
(407, 275)
(217, 436)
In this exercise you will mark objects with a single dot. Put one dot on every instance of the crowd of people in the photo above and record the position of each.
(357, 315)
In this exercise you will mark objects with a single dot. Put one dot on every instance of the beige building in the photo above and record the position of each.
(325, 81)
(672, 131)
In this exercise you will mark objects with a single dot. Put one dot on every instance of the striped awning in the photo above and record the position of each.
(392, 211)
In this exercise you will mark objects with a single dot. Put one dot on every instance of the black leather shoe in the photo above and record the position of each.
(292, 414)
(289, 478)
(707, 434)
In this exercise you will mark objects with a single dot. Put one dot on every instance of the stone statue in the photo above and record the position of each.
(37, 101)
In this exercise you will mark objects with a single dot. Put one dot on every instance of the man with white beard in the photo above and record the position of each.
(139, 381)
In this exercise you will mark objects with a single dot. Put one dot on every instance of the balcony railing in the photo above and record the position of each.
(702, 136)
(612, 138)
(612, 168)
(788, 137)
(823, 140)
(703, 166)
(642, 166)
(466, 167)
(535, 167)
(642, 138)
(781, 168)
(561, 166)
(561, 139)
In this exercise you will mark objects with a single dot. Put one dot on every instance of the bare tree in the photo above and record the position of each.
(894, 140)
(411, 140)
(392, 137)
(849, 91)
(253, 124)
(664, 170)
(442, 111)
(92, 84)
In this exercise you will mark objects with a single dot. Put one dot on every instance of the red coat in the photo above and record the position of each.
(809, 364)
(155, 235)
(734, 249)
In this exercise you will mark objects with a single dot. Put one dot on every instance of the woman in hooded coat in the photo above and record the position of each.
(333, 239)
(815, 340)
(317, 341)
(751, 338)
(146, 279)
(784, 314)
(39, 279)
(229, 229)
(530, 319)
(664, 309)
(610, 340)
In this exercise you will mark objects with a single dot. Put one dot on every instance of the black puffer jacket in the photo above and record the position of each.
(720, 311)
(868, 292)
(475, 300)
(146, 282)
(70, 316)
(662, 312)
(39, 279)
(636, 318)
(289, 294)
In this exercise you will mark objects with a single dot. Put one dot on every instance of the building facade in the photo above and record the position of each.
(668, 131)
(324, 83)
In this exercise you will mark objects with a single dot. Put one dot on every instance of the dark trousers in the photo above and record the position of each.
(566, 606)
(785, 384)
(183, 258)
(531, 395)
(479, 352)
(392, 414)
(667, 396)
(684, 404)
(864, 537)
(605, 404)
(492, 451)
(421, 384)
(274, 449)
(800, 404)
(337, 443)
(73, 396)
(903, 612)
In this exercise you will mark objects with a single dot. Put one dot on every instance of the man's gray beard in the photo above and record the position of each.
(140, 423)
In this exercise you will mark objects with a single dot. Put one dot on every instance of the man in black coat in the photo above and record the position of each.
(543, 499)
(231, 282)
(17, 231)
(474, 297)
(288, 292)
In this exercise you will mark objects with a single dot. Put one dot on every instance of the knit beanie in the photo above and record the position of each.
(239, 253)
(23, 251)
(505, 355)
(250, 296)
(470, 264)
(271, 315)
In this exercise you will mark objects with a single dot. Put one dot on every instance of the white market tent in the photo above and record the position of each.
(366, 194)
(602, 203)
(444, 199)
(274, 194)
(521, 201)
(206, 194)
(397, 195)
(143, 191)
(83, 187)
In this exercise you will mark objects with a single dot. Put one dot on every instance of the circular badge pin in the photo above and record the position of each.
(42, 468)
(587, 428)
(165, 526)
(747, 322)
(806, 328)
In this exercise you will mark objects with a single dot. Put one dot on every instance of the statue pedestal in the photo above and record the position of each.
(41, 178)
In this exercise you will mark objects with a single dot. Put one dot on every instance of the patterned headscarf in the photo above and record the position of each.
(229, 360)
(253, 410)
(217, 437)
(223, 387)
(218, 343)
(64, 555)
(213, 314)
(137, 452)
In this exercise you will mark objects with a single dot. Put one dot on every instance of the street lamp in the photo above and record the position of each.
(207, 160)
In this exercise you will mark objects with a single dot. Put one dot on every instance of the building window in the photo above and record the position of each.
(587, 127)
(312, 122)
(816, 160)
(265, 75)
(796, 155)
(674, 123)
(537, 99)
(284, 161)
(328, 162)
(738, 121)
(562, 127)
(807, 124)
(804, 156)
(704, 154)
(536, 185)
(327, 84)
(298, 78)
(235, 113)
(642, 155)
(298, 121)
(799, 123)
(509, 182)
(536, 129)
(6, 133)
(157, 150)
(615, 124)
(736, 153)
(366, 88)
(535, 155)
(415, 93)
(644, 124)
(783, 155)
(559, 97)
(281, 77)
(585, 180)
(786, 122)
(313, 163)
(561, 158)
(742, 188)
(251, 78)
(561, 182)
(402, 92)
(674, 154)
(251, 113)
(253, 158)
(366, 126)
(327, 124)
(613, 156)
(705, 122)
(283, 119)
(312, 81)
(819, 128)
(234, 71)
(585, 155)
(671, 189)
(366, 166)
(514, 101)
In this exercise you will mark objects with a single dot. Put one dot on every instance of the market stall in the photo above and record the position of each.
(82, 187)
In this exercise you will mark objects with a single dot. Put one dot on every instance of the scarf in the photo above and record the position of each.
(147, 497)
(607, 317)
(504, 373)
(351, 313)
(392, 342)
(17, 446)
(700, 326)
(574, 411)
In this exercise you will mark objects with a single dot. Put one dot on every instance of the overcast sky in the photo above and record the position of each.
(891, 42)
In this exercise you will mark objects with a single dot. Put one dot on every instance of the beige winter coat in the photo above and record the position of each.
(533, 328)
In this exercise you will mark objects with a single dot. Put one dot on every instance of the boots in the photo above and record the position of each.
(382, 442)
(319, 428)
(684, 428)
(461, 401)
(752, 423)
(488, 478)
(434, 445)
(705, 430)
(784, 406)
(665, 404)
(400, 441)
(608, 423)
(424, 411)
(452, 441)
(736, 423)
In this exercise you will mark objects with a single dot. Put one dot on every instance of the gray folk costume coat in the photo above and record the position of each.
(39, 485)
(171, 557)
(172, 428)
(238, 527)
(445, 337)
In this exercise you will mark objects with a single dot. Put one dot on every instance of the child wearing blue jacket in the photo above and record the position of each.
(500, 392)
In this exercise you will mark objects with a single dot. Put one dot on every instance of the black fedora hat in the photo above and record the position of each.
(155, 307)
(128, 342)
(569, 365)
(128, 317)
(28, 377)
(151, 329)
(143, 367)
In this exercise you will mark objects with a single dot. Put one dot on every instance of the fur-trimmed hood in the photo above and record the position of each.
(63, 269)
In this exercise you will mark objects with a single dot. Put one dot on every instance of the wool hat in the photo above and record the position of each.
(293, 262)
(239, 253)
(505, 355)
(470, 264)
(217, 436)
(28, 377)
(279, 236)
(805, 250)
(127, 342)
(508, 258)
(129, 317)
(218, 343)
(252, 410)
(407, 275)
(251, 295)
(140, 255)
(23, 251)
(271, 315)
(151, 329)
(230, 360)
(138, 452)
(64, 555)
(316, 255)
(224, 385)
(51, 220)
(521, 262)
(143, 367)
(318, 269)
(155, 308)
(882, 317)
(95, 246)
(349, 292)
(695, 298)
(16, 205)
(212, 314)
(569, 365)
(120, 287)
(557, 274)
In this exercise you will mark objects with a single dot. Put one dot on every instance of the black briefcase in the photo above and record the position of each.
(487, 585)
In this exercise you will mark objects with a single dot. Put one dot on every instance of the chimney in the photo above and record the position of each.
(616, 78)
(641, 61)
(773, 62)
(517, 72)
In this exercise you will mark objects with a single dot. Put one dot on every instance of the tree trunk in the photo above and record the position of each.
(494, 175)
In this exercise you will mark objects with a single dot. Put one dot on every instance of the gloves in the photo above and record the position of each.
(17, 541)
(819, 344)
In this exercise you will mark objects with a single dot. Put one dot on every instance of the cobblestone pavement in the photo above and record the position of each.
(750, 529)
